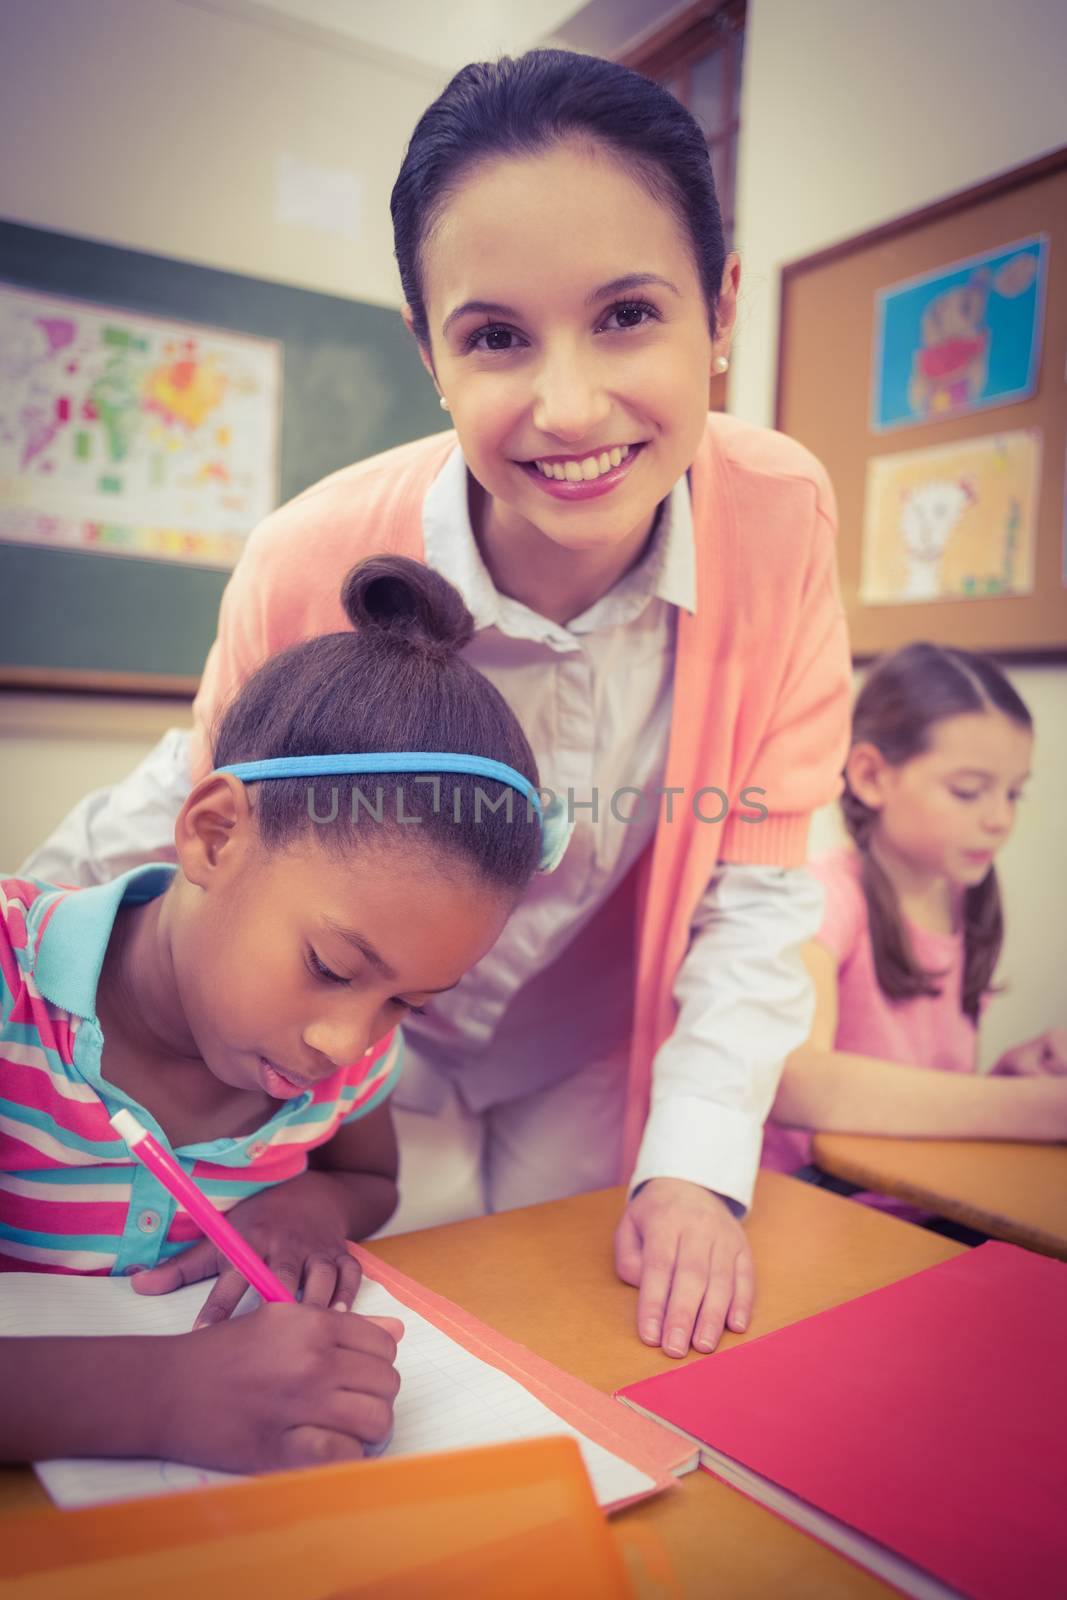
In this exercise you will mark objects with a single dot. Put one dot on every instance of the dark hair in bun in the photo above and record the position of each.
(413, 606)
(396, 683)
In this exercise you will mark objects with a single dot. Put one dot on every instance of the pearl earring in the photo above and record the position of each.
(721, 363)
(444, 403)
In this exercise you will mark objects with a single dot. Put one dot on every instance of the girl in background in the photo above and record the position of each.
(903, 964)
(242, 1004)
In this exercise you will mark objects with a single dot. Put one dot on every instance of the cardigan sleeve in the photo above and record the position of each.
(797, 765)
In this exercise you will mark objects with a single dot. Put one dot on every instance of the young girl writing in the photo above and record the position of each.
(904, 961)
(242, 1004)
(654, 593)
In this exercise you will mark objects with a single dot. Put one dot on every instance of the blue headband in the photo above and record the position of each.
(556, 829)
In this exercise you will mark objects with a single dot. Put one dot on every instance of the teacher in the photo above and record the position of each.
(655, 595)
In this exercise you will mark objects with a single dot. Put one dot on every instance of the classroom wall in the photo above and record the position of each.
(853, 112)
(166, 126)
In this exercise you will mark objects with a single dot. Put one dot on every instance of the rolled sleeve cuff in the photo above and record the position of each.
(715, 1146)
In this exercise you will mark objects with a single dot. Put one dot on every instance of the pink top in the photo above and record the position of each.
(929, 1031)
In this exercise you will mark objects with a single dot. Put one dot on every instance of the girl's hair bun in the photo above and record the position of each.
(408, 603)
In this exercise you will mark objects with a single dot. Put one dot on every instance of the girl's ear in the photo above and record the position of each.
(214, 830)
(868, 774)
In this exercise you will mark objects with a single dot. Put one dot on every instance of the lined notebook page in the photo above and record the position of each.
(448, 1400)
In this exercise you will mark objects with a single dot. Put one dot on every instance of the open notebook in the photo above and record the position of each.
(450, 1397)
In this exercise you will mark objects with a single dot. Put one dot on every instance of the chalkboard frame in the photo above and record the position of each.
(82, 621)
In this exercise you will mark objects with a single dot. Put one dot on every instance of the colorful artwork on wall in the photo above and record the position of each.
(133, 436)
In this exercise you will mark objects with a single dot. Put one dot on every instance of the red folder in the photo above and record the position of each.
(921, 1429)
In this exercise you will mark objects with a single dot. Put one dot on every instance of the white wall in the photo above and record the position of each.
(853, 112)
(160, 125)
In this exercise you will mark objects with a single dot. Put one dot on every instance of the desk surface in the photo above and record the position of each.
(544, 1276)
(1016, 1192)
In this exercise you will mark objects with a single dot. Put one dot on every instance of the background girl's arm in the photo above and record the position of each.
(836, 1091)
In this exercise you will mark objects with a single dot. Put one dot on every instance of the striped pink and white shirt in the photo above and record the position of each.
(72, 1198)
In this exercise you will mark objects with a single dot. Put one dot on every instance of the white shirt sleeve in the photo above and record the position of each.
(112, 830)
(745, 1002)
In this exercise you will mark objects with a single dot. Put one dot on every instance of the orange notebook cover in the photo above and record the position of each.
(517, 1520)
(920, 1429)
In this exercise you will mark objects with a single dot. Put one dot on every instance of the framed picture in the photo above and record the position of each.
(924, 363)
(151, 412)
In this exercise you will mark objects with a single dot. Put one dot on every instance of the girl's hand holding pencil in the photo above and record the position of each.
(285, 1386)
(298, 1235)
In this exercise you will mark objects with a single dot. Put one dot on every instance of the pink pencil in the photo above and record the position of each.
(221, 1233)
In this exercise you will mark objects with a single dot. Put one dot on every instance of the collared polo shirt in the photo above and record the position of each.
(72, 1197)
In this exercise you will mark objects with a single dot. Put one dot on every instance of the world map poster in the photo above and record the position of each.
(131, 435)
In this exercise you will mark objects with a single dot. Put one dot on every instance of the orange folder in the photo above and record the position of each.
(515, 1519)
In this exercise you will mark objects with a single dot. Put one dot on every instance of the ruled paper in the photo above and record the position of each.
(448, 1400)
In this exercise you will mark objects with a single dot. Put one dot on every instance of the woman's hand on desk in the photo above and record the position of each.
(685, 1251)
(1046, 1055)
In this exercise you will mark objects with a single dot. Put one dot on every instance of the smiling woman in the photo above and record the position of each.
(653, 592)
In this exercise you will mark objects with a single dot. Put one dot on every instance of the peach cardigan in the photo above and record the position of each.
(762, 675)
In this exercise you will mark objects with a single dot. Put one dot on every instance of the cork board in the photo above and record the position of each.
(831, 396)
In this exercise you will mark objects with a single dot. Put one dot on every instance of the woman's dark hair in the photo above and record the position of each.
(903, 698)
(525, 107)
(398, 682)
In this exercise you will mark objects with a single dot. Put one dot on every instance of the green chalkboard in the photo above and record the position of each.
(353, 385)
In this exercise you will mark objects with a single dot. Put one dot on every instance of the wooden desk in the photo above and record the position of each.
(544, 1276)
(1016, 1192)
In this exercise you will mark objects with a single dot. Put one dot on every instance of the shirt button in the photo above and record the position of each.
(256, 1150)
(149, 1221)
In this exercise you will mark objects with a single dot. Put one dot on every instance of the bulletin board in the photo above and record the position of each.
(351, 385)
(925, 364)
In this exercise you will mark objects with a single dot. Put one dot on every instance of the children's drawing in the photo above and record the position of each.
(952, 523)
(128, 435)
(928, 515)
(960, 339)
